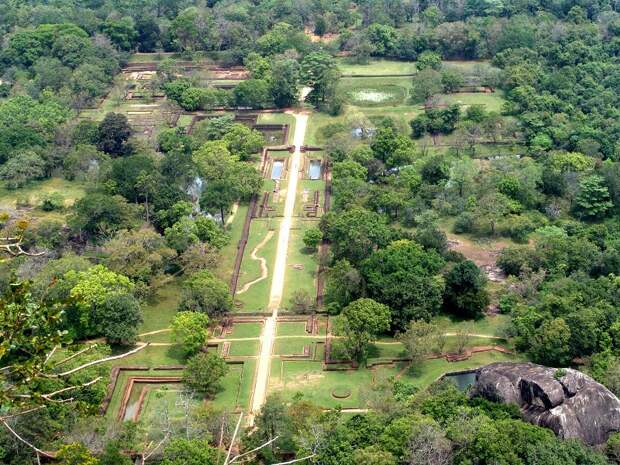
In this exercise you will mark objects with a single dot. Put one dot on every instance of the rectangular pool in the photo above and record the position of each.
(276, 169)
(315, 169)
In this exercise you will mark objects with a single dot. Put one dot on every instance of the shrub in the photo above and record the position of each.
(513, 259)
(517, 227)
(52, 202)
(464, 223)
(312, 238)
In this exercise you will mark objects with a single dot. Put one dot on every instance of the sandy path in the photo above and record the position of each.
(264, 271)
(233, 212)
(157, 331)
(261, 379)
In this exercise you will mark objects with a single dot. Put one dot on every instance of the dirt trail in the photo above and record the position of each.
(264, 271)
(261, 379)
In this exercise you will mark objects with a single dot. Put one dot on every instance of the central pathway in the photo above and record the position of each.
(261, 379)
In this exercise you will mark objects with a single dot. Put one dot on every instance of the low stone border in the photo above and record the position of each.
(114, 373)
(143, 380)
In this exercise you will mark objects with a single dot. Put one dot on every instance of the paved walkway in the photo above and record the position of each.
(261, 380)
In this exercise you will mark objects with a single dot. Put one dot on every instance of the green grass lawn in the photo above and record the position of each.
(465, 66)
(305, 191)
(291, 328)
(275, 202)
(247, 384)
(153, 356)
(164, 403)
(431, 370)
(160, 310)
(228, 254)
(158, 337)
(491, 102)
(256, 298)
(121, 382)
(489, 325)
(376, 67)
(293, 346)
(236, 387)
(227, 397)
(304, 278)
(317, 385)
(244, 348)
(243, 330)
(149, 57)
(34, 192)
(315, 123)
(184, 121)
(387, 350)
(279, 118)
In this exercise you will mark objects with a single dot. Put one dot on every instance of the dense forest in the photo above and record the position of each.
(142, 211)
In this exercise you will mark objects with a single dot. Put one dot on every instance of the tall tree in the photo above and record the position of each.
(360, 322)
(113, 133)
(284, 81)
(465, 294)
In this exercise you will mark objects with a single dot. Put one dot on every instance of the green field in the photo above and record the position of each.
(236, 387)
(491, 102)
(164, 403)
(302, 265)
(244, 348)
(184, 121)
(34, 192)
(376, 67)
(383, 92)
(228, 253)
(245, 330)
(294, 345)
(279, 118)
(291, 328)
(305, 196)
(148, 57)
(160, 310)
(256, 298)
(489, 325)
(317, 385)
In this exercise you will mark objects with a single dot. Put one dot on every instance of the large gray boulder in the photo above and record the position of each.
(568, 402)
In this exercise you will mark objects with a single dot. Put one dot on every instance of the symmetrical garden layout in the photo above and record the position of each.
(268, 348)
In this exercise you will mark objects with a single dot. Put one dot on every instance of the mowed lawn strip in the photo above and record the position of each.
(228, 254)
(256, 298)
(245, 330)
(294, 345)
(301, 265)
(291, 328)
(376, 67)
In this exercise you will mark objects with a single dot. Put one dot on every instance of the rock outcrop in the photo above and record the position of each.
(568, 402)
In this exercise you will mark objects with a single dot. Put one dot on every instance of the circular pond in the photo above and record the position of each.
(341, 392)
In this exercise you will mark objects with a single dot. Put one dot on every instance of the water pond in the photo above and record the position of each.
(315, 169)
(462, 380)
(276, 169)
